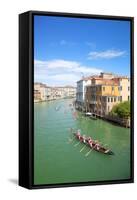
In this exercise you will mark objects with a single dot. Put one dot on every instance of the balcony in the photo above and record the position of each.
(92, 102)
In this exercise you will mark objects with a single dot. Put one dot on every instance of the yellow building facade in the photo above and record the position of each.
(100, 99)
(104, 90)
(103, 93)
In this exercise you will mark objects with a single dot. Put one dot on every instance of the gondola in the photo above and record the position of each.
(99, 148)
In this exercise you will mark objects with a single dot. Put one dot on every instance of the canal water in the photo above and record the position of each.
(58, 159)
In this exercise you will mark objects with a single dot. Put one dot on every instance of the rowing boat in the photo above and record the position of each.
(94, 145)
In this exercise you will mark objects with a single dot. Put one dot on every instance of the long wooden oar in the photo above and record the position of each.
(82, 148)
(88, 152)
(77, 144)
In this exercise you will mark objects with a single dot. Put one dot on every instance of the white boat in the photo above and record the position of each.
(88, 114)
(91, 115)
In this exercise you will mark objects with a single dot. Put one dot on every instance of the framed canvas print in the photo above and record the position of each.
(75, 99)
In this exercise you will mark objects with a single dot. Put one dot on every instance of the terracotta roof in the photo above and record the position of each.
(99, 77)
(121, 77)
(88, 78)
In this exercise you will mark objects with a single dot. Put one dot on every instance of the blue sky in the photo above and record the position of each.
(67, 48)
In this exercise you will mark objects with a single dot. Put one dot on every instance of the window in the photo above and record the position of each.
(111, 99)
(120, 88)
(114, 99)
(104, 98)
(112, 88)
(108, 99)
(120, 98)
(128, 88)
(98, 88)
(103, 88)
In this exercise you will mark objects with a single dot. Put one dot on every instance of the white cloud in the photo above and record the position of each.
(90, 44)
(61, 72)
(108, 54)
(61, 64)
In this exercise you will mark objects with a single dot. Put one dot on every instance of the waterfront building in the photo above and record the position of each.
(64, 92)
(98, 94)
(101, 98)
(86, 81)
(40, 88)
(48, 93)
(106, 75)
(80, 92)
(69, 91)
(42, 92)
(124, 87)
(37, 96)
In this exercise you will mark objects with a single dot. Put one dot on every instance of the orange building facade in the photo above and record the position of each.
(105, 92)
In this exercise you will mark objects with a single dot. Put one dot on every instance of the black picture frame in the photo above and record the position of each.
(26, 110)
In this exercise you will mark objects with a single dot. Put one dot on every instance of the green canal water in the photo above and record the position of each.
(56, 160)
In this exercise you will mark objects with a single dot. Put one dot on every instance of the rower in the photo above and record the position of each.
(84, 139)
(90, 141)
(78, 134)
(97, 145)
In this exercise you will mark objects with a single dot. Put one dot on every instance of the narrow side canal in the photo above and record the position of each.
(56, 160)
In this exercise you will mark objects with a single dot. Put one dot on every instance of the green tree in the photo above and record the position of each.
(121, 110)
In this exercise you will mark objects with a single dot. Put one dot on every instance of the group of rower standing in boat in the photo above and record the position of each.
(92, 143)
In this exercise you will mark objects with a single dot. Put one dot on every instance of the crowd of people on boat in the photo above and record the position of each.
(92, 143)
